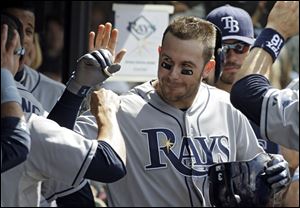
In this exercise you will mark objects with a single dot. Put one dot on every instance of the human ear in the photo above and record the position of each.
(159, 49)
(209, 66)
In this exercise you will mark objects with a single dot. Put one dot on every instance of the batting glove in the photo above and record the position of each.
(92, 69)
(278, 173)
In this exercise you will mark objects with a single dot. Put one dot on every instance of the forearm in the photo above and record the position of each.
(283, 22)
(109, 131)
(258, 61)
(10, 98)
(11, 109)
(66, 109)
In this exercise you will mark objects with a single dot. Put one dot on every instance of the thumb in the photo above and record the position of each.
(120, 56)
(112, 69)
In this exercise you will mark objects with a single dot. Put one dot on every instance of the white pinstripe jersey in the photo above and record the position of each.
(44, 89)
(58, 156)
(279, 121)
(169, 150)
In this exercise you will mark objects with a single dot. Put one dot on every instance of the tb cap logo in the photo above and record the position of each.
(231, 24)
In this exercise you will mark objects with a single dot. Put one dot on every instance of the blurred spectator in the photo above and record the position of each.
(34, 58)
(53, 48)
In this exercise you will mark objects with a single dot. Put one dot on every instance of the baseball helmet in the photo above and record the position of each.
(240, 184)
(218, 53)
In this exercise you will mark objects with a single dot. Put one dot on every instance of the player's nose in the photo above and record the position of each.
(175, 72)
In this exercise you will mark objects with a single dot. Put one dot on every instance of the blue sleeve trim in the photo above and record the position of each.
(106, 166)
(37, 83)
(247, 95)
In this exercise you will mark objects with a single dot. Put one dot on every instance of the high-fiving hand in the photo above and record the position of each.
(100, 63)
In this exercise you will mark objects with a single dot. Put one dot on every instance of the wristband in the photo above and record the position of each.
(77, 89)
(9, 91)
(271, 41)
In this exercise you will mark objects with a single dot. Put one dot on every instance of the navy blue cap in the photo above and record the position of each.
(235, 23)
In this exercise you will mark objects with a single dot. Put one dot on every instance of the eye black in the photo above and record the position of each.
(166, 65)
(186, 72)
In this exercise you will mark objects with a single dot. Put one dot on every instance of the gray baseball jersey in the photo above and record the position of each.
(52, 148)
(44, 89)
(169, 150)
(279, 120)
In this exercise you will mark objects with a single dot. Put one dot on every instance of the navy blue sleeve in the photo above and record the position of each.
(106, 166)
(15, 143)
(81, 198)
(247, 95)
(66, 109)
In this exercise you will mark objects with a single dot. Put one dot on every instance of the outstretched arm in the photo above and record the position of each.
(15, 139)
(284, 19)
(92, 69)
(275, 111)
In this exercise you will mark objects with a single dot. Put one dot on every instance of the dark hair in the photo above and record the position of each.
(194, 28)
(13, 23)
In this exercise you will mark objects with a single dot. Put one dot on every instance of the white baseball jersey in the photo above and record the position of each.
(44, 89)
(279, 121)
(169, 150)
(58, 156)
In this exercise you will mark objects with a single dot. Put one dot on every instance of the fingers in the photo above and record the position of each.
(3, 37)
(276, 168)
(279, 185)
(14, 43)
(91, 41)
(278, 177)
(113, 40)
(106, 37)
(99, 37)
(104, 99)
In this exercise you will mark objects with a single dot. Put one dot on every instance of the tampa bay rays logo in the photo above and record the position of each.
(231, 24)
(194, 157)
(141, 28)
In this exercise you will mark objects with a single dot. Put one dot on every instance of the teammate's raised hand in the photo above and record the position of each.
(8, 58)
(284, 18)
(100, 63)
(106, 39)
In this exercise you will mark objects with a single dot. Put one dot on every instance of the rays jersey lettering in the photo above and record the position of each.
(195, 154)
(30, 107)
(29, 103)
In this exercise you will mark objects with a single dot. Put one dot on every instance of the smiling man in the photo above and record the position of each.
(175, 127)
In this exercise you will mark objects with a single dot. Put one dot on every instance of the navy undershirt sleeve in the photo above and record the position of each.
(106, 166)
(66, 110)
(13, 143)
(247, 95)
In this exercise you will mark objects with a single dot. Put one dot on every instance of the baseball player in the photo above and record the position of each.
(276, 111)
(175, 127)
(237, 37)
(44, 89)
(84, 157)
(15, 139)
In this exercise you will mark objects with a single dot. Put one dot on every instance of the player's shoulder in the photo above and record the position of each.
(217, 94)
(138, 92)
(42, 80)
